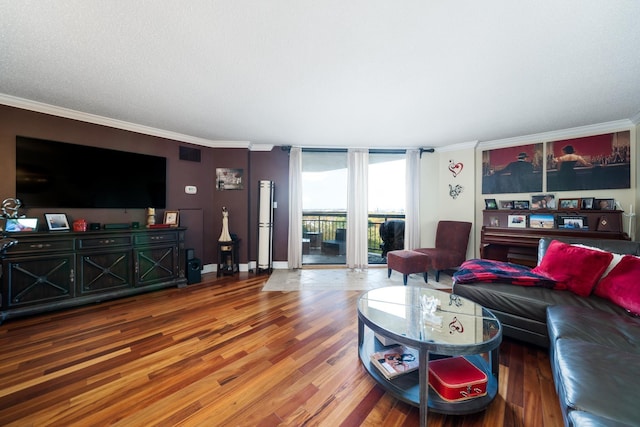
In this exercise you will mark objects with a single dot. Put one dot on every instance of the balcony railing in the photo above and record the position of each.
(329, 225)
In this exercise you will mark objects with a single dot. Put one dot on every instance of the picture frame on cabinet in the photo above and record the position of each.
(541, 221)
(171, 218)
(21, 224)
(521, 204)
(490, 204)
(57, 221)
(543, 201)
(517, 221)
(587, 202)
(605, 204)
(569, 204)
(573, 222)
(506, 204)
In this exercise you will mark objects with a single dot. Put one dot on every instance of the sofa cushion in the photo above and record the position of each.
(598, 379)
(622, 284)
(585, 419)
(620, 331)
(574, 268)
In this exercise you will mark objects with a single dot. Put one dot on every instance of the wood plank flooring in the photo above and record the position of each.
(224, 353)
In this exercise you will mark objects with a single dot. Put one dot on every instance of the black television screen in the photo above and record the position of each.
(52, 174)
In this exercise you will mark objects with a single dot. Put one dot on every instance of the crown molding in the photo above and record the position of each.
(67, 113)
(636, 119)
(260, 147)
(457, 147)
(614, 126)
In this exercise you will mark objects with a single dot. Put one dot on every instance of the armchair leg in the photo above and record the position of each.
(388, 272)
(437, 275)
(404, 279)
(426, 274)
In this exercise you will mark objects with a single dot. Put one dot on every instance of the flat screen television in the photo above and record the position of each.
(51, 174)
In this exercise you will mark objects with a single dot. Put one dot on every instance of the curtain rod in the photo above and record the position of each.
(371, 151)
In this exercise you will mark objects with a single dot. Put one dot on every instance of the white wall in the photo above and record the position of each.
(437, 183)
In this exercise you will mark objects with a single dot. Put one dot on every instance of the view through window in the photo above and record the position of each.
(324, 204)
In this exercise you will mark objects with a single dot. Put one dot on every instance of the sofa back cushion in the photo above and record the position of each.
(622, 284)
(625, 247)
(577, 269)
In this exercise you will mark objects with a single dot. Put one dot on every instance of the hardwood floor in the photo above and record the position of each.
(225, 353)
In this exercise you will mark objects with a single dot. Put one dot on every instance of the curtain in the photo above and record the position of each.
(295, 209)
(412, 212)
(357, 208)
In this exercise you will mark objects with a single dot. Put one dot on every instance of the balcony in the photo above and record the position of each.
(324, 237)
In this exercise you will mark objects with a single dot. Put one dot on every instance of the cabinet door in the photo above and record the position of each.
(104, 271)
(39, 279)
(155, 264)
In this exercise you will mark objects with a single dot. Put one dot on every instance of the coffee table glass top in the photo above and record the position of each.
(427, 316)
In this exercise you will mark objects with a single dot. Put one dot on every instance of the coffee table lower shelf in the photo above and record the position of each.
(407, 387)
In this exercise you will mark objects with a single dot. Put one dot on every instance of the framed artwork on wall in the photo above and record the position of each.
(512, 170)
(589, 163)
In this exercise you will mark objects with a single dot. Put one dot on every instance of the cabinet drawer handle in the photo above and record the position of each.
(106, 242)
(40, 245)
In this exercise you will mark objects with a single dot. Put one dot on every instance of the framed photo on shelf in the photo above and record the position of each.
(587, 203)
(490, 204)
(517, 221)
(543, 201)
(506, 204)
(57, 221)
(21, 224)
(171, 218)
(573, 222)
(605, 204)
(569, 204)
(494, 221)
(541, 221)
(521, 204)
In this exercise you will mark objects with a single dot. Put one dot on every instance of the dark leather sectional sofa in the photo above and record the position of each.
(594, 344)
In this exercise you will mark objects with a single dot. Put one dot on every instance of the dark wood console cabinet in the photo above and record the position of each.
(52, 270)
(520, 245)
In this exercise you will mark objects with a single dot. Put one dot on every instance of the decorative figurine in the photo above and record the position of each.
(225, 236)
(10, 208)
(151, 216)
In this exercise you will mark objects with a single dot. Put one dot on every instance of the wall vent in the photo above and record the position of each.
(190, 154)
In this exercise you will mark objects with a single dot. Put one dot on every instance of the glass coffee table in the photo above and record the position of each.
(435, 324)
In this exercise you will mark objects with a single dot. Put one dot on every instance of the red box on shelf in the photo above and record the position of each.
(455, 379)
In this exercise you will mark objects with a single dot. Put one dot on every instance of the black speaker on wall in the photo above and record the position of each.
(194, 267)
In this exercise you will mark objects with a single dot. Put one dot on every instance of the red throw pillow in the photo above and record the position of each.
(622, 284)
(577, 268)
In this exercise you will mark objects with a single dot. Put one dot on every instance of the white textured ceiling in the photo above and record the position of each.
(368, 73)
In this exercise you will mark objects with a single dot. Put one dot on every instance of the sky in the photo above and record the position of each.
(328, 190)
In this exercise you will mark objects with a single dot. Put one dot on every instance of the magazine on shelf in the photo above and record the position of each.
(395, 361)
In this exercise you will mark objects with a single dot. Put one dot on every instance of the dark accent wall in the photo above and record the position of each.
(201, 212)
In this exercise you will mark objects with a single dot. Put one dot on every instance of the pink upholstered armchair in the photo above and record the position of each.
(452, 239)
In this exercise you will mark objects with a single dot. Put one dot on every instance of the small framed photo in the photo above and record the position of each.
(521, 204)
(490, 204)
(543, 201)
(57, 221)
(569, 203)
(21, 224)
(171, 218)
(541, 221)
(494, 221)
(572, 222)
(506, 204)
(604, 204)
(587, 202)
(517, 221)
